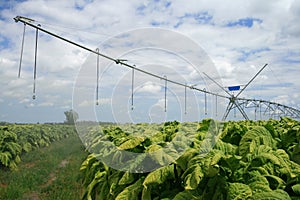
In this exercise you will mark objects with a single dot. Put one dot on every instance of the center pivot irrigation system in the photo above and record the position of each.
(261, 107)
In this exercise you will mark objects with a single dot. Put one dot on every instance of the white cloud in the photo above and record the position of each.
(90, 103)
(271, 37)
(25, 100)
(46, 104)
(283, 99)
(85, 103)
(150, 87)
(161, 103)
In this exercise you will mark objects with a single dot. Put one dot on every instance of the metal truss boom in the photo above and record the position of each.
(275, 109)
(28, 21)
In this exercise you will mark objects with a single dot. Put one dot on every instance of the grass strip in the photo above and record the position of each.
(46, 173)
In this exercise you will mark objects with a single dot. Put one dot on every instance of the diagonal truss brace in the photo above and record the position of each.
(234, 101)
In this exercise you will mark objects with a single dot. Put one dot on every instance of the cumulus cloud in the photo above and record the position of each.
(150, 87)
(239, 37)
(87, 103)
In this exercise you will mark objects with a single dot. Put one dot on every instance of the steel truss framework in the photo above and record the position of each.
(265, 108)
(261, 107)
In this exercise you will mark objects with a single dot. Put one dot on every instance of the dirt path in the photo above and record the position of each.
(53, 175)
(47, 173)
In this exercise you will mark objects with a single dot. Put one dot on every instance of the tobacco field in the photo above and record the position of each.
(18, 139)
(190, 160)
(231, 160)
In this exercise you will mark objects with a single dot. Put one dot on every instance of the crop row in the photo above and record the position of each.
(230, 160)
(18, 139)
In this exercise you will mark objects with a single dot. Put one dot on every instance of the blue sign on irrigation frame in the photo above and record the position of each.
(234, 88)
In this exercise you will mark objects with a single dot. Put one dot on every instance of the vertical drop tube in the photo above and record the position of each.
(132, 87)
(234, 112)
(205, 102)
(260, 110)
(97, 81)
(255, 112)
(35, 58)
(22, 47)
(185, 100)
(216, 105)
(166, 80)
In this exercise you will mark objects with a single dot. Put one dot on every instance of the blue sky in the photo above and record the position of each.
(239, 37)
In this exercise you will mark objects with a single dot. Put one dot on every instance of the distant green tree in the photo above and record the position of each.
(71, 116)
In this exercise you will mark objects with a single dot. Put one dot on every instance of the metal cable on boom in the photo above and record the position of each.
(117, 61)
(22, 47)
(234, 100)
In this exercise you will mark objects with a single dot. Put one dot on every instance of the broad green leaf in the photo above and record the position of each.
(193, 178)
(158, 138)
(131, 143)
(233, 132)
(113, 188)
(132, 163)
(196, 159)
(253, 146)
(238, 191)
(282, 154)
(257, 178)
(127, 178)
(146, 193)
(159, 176)
(27, 147)
(153, 148)
(164, 156)
(186, 194)
(269, 157)
(131, 192)
(251, 169)
(209, 164)
(259, 187)
(212, 170)
(99, 177)
(5, 158)
(90, 159)
(183, 160)
(103, 192)
(206, 146)
(13, 164)
(12, 147)
(230, 164)
(115, 156)
(272, 195)
(275, 182)
(258, 135)
(296, 154)
(216, 158)
(215, 188)
(225, 147)
(296, 189)
(17, 159)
